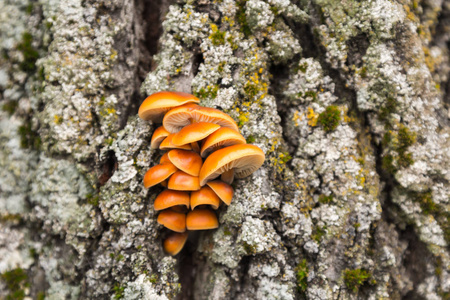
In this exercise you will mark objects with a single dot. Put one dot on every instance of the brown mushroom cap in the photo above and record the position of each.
(173, 220)
(158, 136)
(157, 174)
(204, 196)
(187, 161)
(244, 159)
(201, 219)
(181, 181)
(175, 242)
(167, 144)
(223, 190)
(156, 105)
(182, 116)
(169, 198)
(193, 133)
(223, 137)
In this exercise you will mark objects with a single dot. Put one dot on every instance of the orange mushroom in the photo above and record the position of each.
(201, 219)
(223, 190)
(173, 220)
(193, 133)
(180, 181)
(204, 196)
(165, 159)
(237, 160)
(169, 198)
(175, 242)
(158, 174)
(167, 144)
(156, 105)
(158, 136)
(223, 137)
(187, 161)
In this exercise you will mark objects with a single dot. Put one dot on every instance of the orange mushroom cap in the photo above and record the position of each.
(187, 161)
(157, 174)
(193, 133)
(201, 219)
(223, 190)
(175, 242)
(244, 159)
(173, 220)
(165, 159)
(158, 136)
(169, 198)
(156, 105)
(181, 181)
(167, 144)
(204, 196)
(223, 137)
(180, 117)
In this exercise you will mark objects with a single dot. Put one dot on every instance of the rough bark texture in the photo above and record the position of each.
(348, 99)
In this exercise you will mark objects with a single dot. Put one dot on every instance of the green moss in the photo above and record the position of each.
(28, 138)
(242, 18)
(251, 139)
(388, 164)
(251, 89)
(29, 8)
(226, 231)
(40, 296)
(92, 199)
(399, 143)
(30, 54)
(285, 157)
(153, 278)
(389, 108)
(311, 94)
(249, 249)
(118, 291)
(13, 218)
(318, 233)
(325, 199)
(16, 281)
(218, 38)
(209, 92)
(302, 276)
(330, 118)
(426, 203)
(355, 278)
(10, 107)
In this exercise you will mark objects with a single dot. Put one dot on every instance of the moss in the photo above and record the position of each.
(10, 218)
(226, 231)
(251, 89)
(30, 54)
(16, 281)
(284, 157)
(388, 164)
(249, 249)
(302, 276)
(355, 278)
(29, 139)
(318, 233)
(325, 199)
(330, 118)
(251, 139)
(29, 8)
(426, 203)
(153, 278)
(118, 291)
(10, 107)
(389, 108)
(209, 92)
(92, 199)
(40, 296)
(399, 143)
(242, 18)
(218, 37)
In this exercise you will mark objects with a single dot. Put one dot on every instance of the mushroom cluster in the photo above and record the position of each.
(202, 144)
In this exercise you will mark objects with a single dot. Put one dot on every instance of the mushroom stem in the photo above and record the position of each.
(228, 176)
(195, 147)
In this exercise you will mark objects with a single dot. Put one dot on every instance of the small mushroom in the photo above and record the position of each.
(158, 136)
(193, 133)
(173, 220)
(156, 105)
(158, 174)
(186, 161)
(175, 242)
(167, 144)
(239, 160)
(201, 219)
(223, 137)
(222, 189)
(177, 118)
(169, 198)
(165, 159)
(181, 181)
(204, 196)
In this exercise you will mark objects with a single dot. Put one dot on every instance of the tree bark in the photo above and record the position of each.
(348, 99)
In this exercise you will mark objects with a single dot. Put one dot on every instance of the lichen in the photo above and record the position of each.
(354, 279)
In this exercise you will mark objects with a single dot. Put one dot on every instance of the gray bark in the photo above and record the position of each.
(348, 99)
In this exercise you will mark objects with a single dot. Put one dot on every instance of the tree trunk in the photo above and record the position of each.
(348, 99)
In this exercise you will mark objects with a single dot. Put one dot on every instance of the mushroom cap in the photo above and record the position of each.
(175, 242)
(182, 116)
(193, 133)
(173, 220)
(157, 174)
(204, 196)
(169, 198)
(158, 136)
(165, 159)
(244, 159)
(201, 219)
(180, 181)
(167, 144)
(223, 190)
(156, 105)
(186, 161)
(223, 137)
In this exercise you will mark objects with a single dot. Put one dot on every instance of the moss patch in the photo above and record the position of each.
(118, 291)
(10, 107)
(354, 279)
(302, 276)
(330, 118)
(325, 199)
(16, 281)
(30, 54)
(217, 37)
(29, 139)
